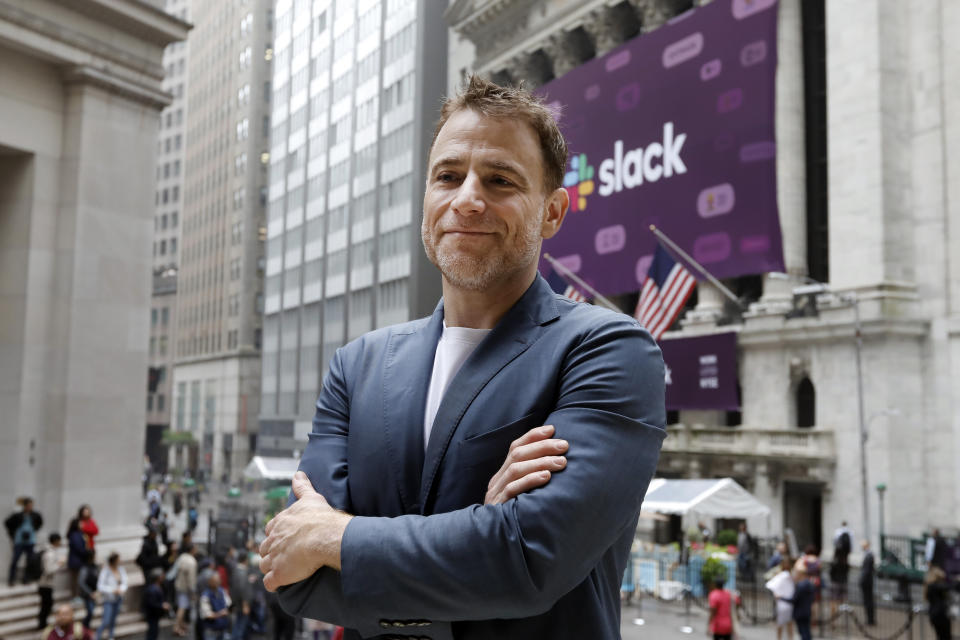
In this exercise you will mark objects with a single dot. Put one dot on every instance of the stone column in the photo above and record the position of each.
(95, 436)
(709, 306)
(653, 14)
(791, 156)
(601, 25)
(562, 53)
(869, 115)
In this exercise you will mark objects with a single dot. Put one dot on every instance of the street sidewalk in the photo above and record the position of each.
(654, 619)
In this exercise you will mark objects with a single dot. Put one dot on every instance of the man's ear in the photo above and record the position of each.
(556, 206)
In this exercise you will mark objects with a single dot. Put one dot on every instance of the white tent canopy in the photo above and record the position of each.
(268, 468)
(720, 498)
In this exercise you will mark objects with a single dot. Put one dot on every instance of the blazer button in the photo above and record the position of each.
(385, 624)
(399, 624)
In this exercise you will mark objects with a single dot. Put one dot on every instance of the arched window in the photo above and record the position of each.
(806, 404)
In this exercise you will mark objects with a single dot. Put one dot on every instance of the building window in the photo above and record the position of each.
(806, 404)
(161, 402)
(149, 402)
(153, 317)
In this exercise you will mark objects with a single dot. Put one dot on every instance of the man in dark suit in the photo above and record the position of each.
(412, 523)
(867, 578)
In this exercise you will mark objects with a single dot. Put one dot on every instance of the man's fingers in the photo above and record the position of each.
(266, 563)
(522, 485)
(301, 485)
(534, 450)
(535, 434)
(518, 470)
(270, 582)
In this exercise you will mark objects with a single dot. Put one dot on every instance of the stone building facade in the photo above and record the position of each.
(868, 170)
(80, 98)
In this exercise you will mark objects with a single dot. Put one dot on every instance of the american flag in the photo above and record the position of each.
(561, 286)
(665, 290)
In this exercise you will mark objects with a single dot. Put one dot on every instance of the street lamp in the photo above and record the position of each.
(881, 489)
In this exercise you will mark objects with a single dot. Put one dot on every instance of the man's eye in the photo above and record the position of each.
(500, 180)
(446, 177)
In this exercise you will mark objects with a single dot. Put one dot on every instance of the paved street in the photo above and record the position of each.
(656, 620)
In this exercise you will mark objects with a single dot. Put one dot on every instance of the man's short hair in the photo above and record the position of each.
(54, 538)
(493, 101)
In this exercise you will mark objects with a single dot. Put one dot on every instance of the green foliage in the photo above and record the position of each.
(713, 569)
(177, 437)
(726, 537)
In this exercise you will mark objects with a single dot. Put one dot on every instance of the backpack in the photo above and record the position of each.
(843, 546)
(92, 577)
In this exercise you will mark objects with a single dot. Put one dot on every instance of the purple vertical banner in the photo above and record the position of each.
(674, 128)
(701, 372)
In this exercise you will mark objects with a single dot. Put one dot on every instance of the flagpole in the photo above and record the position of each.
(706, 274)
(570, 274)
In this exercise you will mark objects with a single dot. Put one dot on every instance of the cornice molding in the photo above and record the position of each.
(135, 16)
(131, 90)
(59, 43)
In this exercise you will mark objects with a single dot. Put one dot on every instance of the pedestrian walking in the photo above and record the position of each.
(810, 563)
(240, 592)
(723, 608)
(184, 582)
(112, 585)
(22, 528)
(867, 580)
(746, 546)
(149, 557)
(803, 598)
(64, 627)
(155, 605)
(77, 553)
(87, 580)
(50, 564)
(936, 591)
(87, 525)
(783, 588)
(215, 610)
(840, 567)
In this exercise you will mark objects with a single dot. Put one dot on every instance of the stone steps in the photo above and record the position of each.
(19, 606)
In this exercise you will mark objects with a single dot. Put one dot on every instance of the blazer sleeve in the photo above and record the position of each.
(324, 460)
(517, 559)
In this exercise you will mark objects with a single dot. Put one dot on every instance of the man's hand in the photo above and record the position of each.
(302, 538)
(530, 461)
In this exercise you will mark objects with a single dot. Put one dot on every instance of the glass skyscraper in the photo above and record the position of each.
(356, 91)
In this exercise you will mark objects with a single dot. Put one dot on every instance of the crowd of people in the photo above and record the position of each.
(208, 596)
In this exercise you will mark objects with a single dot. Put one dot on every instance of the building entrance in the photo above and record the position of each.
(803, 512)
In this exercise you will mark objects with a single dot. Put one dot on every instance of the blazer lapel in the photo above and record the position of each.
(517, 330)
(406, 377)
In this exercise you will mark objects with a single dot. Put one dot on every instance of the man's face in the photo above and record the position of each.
(484, 209)
(64, 616)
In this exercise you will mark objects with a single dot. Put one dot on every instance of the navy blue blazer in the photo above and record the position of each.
(425, 558)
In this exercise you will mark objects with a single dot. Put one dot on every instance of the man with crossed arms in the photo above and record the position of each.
(408, 522)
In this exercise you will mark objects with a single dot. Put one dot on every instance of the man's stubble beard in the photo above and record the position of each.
(477, 273)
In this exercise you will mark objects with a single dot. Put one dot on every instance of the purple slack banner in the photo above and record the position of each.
(701, 372)
(674, 128)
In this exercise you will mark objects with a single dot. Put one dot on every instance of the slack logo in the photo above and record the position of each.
(579, 182)
(628, 170)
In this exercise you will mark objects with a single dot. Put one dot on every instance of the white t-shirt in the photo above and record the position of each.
(455, 346)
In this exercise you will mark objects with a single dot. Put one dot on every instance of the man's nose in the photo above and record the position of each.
(469, 199)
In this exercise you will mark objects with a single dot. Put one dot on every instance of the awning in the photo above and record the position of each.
(721, 498)
(267, 468)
